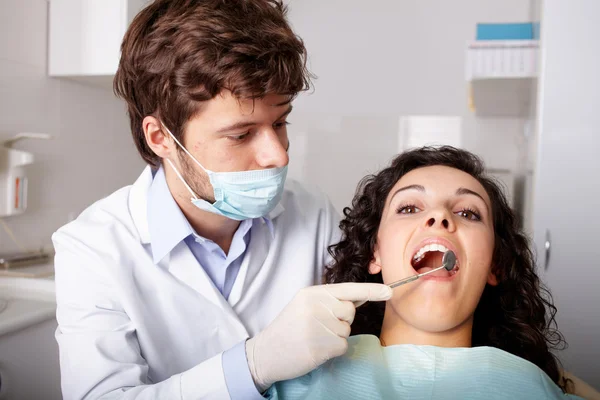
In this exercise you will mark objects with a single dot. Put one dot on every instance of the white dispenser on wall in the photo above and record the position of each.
(13, 176)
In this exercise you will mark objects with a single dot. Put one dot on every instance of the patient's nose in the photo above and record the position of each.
(432, 222)
(440, 219)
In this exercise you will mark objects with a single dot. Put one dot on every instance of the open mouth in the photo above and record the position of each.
(430, 257)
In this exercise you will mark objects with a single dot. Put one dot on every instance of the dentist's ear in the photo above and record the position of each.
(160, 143)
(375, 265)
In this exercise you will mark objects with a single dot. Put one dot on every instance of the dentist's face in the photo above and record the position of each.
(428, 211)
(232, 134)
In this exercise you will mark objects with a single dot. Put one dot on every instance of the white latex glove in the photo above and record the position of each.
(312, 329)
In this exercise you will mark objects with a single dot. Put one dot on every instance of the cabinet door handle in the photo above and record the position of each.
(547, 245)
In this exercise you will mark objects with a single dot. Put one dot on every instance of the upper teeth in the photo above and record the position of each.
(429, 247)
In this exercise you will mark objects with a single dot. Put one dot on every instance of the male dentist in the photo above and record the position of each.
(197, 281)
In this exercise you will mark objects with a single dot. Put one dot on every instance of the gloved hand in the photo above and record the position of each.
(312, 329)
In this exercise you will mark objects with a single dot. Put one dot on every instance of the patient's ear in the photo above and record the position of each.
(375, 266)
(492, 280)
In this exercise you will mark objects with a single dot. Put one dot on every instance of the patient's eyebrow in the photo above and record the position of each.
(420, 188)
(464, 191)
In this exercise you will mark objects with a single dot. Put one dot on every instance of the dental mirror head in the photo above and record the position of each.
(448, 263)
(449, 260)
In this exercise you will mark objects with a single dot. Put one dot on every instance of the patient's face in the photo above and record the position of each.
(429, 210)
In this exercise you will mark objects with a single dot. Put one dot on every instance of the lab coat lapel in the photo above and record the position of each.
(184, 266)
(254, 258)
(138, 204)
(181, 261)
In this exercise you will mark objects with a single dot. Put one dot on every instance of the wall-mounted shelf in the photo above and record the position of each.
(502, 76)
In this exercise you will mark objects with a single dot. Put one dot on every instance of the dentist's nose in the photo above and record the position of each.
(272, 151)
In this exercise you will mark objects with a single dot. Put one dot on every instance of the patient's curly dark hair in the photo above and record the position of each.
(517, 315)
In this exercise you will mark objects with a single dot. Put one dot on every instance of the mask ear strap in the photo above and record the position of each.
(194, 197)
(183, 148)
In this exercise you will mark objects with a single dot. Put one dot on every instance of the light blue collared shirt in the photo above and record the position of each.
(168, 227)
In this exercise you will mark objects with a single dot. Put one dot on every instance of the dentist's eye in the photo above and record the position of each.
(280, 125)
(238, 138)
(407, 209)
(469, 214)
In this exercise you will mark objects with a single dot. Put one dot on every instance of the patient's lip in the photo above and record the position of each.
(440, 278)
(436, 240)
(447, 244)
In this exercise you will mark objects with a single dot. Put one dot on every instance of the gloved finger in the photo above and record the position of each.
(357, 292)
(342, 329)
(335, 327)
(343, 311)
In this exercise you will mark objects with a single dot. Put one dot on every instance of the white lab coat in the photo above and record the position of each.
(130, 328)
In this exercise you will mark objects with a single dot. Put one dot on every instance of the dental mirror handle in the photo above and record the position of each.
(413, 278)
(405, 280)
(448, 262)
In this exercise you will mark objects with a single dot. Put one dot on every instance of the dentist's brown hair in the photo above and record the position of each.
(177, 54)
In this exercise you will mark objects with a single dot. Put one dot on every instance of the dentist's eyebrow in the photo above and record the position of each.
(286, 112)
(244, 124)
(419, 188)
(468, 192)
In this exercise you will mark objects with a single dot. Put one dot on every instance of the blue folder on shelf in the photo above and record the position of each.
(509, 31)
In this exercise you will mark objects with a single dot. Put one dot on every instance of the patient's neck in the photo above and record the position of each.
(397, 331)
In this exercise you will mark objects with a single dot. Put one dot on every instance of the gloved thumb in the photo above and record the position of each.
(359, 293)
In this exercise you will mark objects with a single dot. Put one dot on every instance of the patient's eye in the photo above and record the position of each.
(407, 209)
(471, 215)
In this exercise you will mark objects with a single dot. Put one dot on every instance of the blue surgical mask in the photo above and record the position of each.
(239, 195)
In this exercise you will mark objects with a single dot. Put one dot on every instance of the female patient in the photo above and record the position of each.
(483, 330)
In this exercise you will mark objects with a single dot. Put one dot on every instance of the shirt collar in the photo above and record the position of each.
(167, 224)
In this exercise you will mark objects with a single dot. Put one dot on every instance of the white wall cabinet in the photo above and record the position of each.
(85, 37)
(567, 185)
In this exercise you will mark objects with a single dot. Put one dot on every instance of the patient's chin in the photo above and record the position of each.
(428, 317)
(432, 323)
